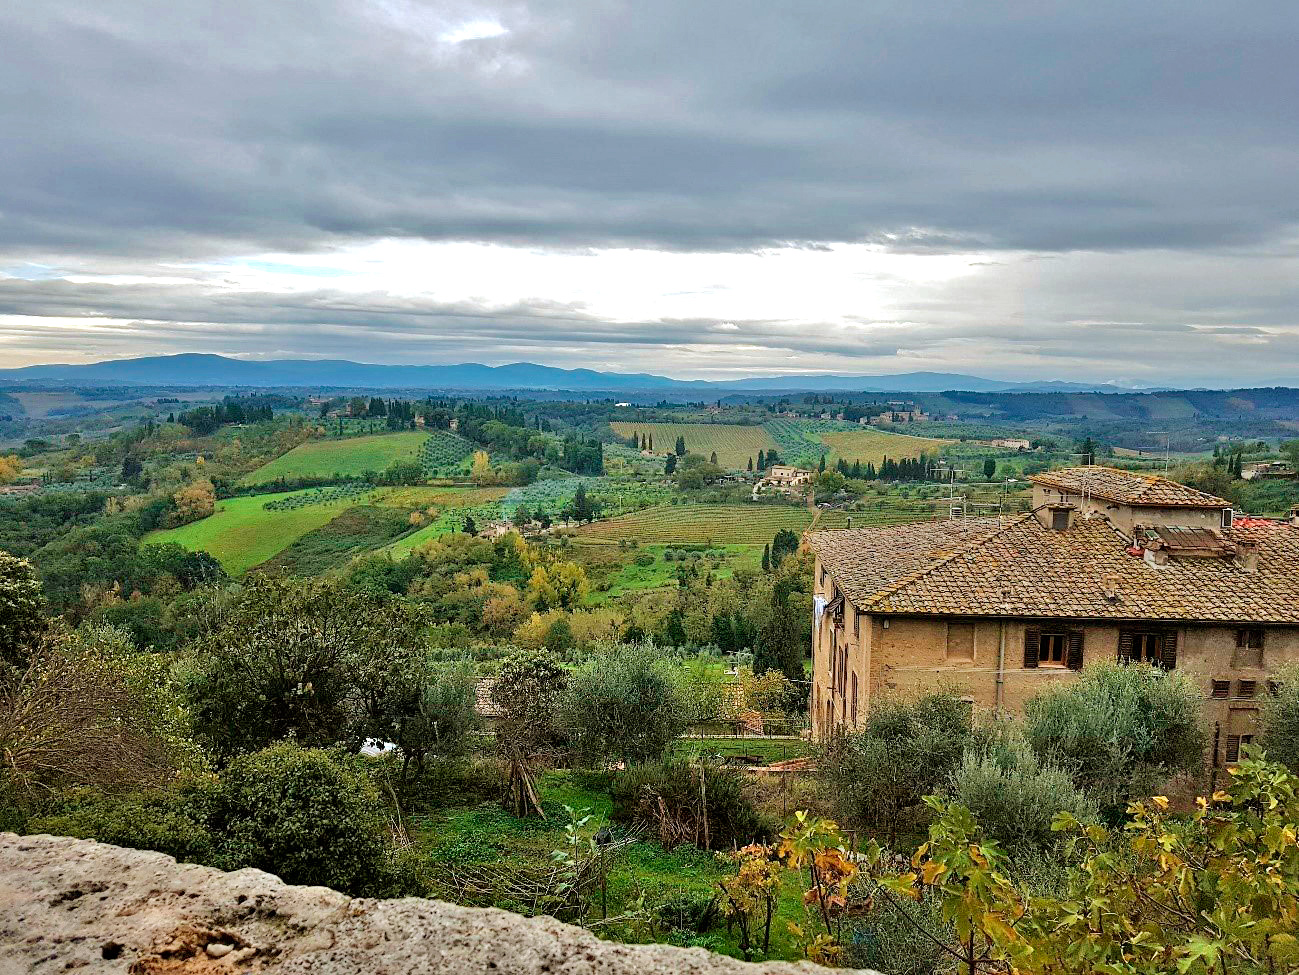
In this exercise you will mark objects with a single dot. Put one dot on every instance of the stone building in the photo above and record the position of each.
(1109, 565)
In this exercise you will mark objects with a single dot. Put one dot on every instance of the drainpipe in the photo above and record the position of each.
(1001, 667)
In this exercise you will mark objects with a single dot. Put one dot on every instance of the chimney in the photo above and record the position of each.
(1110, 586)
(1294, 516)
(1247, 554)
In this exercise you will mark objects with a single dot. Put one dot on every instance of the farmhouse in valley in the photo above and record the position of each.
(1108, 565)
(782, 477)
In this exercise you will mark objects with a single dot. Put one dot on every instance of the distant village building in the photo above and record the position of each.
(1273, 470)
(782, 477)
(898, 416)
(20, 488)
(1011, 444)
(1109, 565)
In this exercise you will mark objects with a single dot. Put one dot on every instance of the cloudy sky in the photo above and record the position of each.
(1096, 191)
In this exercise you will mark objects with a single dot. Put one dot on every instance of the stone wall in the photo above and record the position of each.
(76, 905)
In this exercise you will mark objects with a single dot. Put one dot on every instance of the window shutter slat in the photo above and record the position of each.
(1233, 748)
(1127, 642)
(1032, 643)
(1075, 660)
(1168, 651)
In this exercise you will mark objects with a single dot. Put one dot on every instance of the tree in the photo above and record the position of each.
(10, 467)
(784, 544)
(526, 692)
(89, 710)
(712, 459)
(784, 640)
(22, 613)
(194, 501)
(282, 660)
(762, 461)
(1014, 796)
(1087, 452)
(521, 517)
(989, 468)
(470, 526)
(670, 464)
(1119, 730)
(904, 751)
(766, 557)
(623, 704)
(681, 446)
(1279, 720)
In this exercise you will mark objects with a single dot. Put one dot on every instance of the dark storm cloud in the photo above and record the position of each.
(138, 126)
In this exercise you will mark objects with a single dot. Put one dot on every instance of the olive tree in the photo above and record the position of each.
(623, 704)
(1119, 730)
(22, 612)
(1279, 719)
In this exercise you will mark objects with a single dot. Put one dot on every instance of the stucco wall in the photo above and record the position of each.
(909, 656)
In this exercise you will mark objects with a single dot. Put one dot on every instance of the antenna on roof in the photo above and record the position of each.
(1168, 439)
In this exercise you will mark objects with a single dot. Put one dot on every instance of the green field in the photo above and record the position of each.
(734, 445)
(241, 533)
(702, 524)
(349, 457)
(872, 446)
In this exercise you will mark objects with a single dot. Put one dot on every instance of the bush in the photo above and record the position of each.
(1279, 721)
(704, 804)
(891, 938)
(1014, 796)
(1119, 730)
(172, 821)
(303, 815)
(623, 704)
(905, 751)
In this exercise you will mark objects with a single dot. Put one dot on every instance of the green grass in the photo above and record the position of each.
(872, 446)
(484, 836)
(707, 524)
(605, 563)
(735, 445)
(349, 457)
(241, 533)
(354, 531)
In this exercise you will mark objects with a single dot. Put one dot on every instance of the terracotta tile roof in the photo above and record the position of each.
(1127, 487)
(867, 561)
(1025, 570)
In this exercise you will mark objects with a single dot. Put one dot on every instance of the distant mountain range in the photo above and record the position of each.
(215, 370)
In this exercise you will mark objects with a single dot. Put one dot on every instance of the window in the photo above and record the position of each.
(1227, 516)
(1249, 648)
(1245, 688)
(856, 623)
(1059, 520)
(1051, 649)
(1234, 745)
(1221, 688)
(1157, 647)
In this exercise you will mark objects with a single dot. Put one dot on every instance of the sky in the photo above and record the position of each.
(1019, 190)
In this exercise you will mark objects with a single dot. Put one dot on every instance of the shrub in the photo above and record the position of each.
(304, 815)
(1014, 796)
(1279, 721)
(172, 821)
(898, 937)
(1119, 730)
(703, 804)
(623, 704)
(905, 751)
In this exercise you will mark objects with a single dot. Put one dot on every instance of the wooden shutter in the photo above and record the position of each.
(1233, 748)
(1032, 645)
(1075, 658)
(1168, 650)
(1127, 643)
